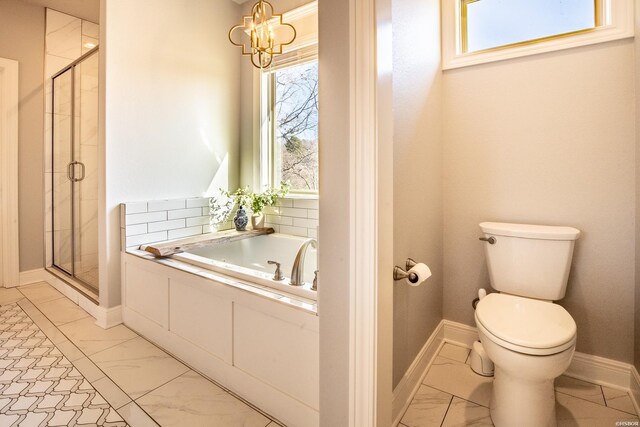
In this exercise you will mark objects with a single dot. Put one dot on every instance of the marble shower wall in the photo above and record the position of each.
(68, 38)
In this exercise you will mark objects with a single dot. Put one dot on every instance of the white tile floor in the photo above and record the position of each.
(451, 394)
(148, 387)
(145, 385)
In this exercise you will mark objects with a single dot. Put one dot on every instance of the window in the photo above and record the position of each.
(477, 31)
(294, 125)
(488, 24)
(288, 104)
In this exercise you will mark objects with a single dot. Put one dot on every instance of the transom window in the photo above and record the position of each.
(488, 24)
(479, 31)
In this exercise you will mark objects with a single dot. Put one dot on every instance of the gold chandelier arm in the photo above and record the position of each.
(260, 31)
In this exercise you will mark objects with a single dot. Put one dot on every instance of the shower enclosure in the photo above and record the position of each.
(74, 165)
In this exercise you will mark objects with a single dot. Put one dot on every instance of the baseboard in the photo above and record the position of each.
(410, 382)
(600, 370)
(105, 317)
(108, 317)
(595, 369)
(32, 276)
(459, 333)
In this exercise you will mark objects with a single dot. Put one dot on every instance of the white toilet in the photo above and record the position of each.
(530, 340)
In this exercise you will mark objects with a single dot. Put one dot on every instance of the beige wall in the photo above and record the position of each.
(417, 169)
(335, 214)
(22, 39)
(547, 139)
(172, 109)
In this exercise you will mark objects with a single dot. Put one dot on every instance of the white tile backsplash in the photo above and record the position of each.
(283, 220)
(146, 217)
(185, 232)
(288, 203)
(133, 208)
(185, 213)
(132, 230)
(296, 231)
(294, 212)
(166, 225)
(144, 239)
(303, 222)
(165, 205)
(199, 202)
(160, 220)
(199, 220)
(306, 203)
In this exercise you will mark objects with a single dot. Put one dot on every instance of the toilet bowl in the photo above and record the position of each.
(530, 339)
(529, 351)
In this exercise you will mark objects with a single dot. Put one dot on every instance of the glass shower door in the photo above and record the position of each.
(75, 184)
(62, 172)
(86, 184)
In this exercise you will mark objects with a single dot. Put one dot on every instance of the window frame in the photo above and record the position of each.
(268, 81)
(614, 20)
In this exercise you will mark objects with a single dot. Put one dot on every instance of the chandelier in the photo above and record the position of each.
(256, 34)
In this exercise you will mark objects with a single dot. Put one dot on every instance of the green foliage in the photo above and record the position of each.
(257, 201)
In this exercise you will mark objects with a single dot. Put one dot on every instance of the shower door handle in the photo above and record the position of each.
(70, 171)
(81, 172)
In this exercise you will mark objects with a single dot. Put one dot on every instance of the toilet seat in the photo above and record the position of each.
(525, 325)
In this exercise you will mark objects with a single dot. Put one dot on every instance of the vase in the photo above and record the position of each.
(241, 219)
(257, 221)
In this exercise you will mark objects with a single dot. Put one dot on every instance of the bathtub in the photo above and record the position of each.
(247, 260)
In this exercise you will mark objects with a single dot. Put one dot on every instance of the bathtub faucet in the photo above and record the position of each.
(297, 271)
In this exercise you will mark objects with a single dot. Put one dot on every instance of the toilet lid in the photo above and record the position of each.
(526, 322)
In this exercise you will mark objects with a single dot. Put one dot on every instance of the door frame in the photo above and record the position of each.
(9, 231)
(355, 295)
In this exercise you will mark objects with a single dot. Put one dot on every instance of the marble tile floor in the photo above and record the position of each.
(143, 385)
(451, 394)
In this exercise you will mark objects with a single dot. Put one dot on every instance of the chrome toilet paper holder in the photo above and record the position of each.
(399, 273)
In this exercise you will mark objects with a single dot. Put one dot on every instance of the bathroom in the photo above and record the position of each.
(546, 138)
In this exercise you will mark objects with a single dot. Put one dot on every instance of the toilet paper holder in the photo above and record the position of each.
(399, 273)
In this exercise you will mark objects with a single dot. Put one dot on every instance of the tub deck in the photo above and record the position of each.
(173, 247)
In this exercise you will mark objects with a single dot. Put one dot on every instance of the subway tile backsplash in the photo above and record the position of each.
(160, 220)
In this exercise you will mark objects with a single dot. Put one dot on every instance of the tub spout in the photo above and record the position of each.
(298, 264)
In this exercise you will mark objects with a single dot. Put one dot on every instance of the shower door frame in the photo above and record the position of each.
(9, 238)
(71, 275)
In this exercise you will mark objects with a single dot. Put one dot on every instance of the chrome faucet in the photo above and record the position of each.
(298, 264)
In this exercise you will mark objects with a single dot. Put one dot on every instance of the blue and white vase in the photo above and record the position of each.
(241, 219)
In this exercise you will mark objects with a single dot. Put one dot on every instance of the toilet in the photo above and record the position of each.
(530, 339)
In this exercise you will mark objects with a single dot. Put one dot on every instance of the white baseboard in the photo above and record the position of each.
(459, 333)
(105, 317)
(410, 382)
(594, 369)
(108, 317)
(634, 389)
(599, 370)
(33, 276)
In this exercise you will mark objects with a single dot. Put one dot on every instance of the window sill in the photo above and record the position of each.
(301, 196)
(598, 35)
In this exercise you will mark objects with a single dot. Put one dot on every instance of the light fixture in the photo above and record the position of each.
(256, 34)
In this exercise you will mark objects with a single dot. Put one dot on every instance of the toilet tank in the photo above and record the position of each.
(529, 260)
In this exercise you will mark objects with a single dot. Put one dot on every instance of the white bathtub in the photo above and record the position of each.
(247, 260)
